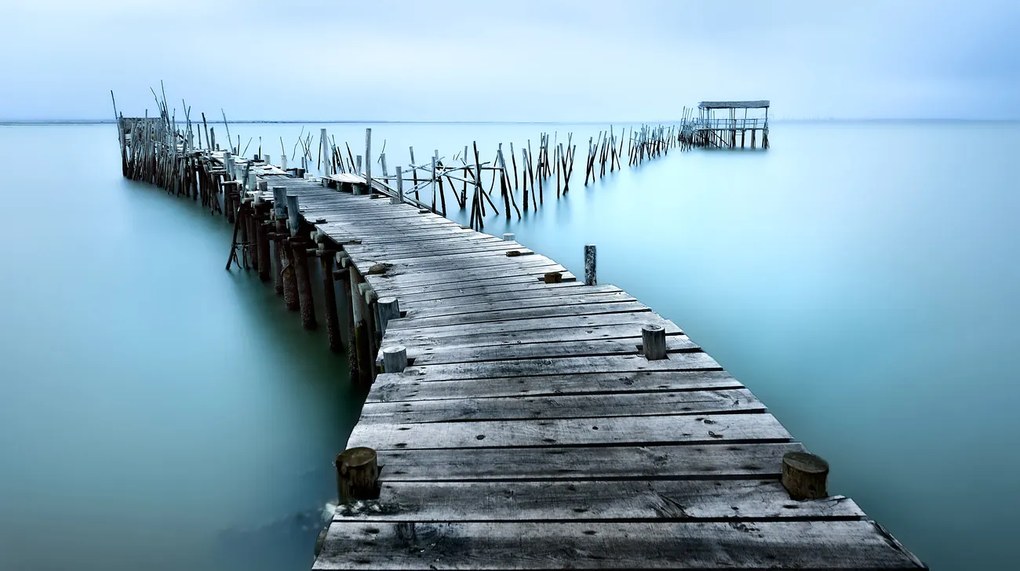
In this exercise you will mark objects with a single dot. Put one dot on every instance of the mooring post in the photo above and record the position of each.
(262, 241)
(362, 343)
(329, 297)
(589, 265)
(372, 321)
(389, 308)
(804, 475)
(394, 359)
(324, 143)
(299, 251)
(357, 474)
(509, 236)
(293, 214)
(653, 342)
(344, 305)
(368, 159)
(279, 215)
(400, 188)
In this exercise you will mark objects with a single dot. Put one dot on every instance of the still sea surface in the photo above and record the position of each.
(861, 278)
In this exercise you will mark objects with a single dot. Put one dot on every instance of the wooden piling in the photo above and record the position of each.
(394, 359)
(804, 476)
(306, 303)
(589, 265)
(357, 475)
(389, 308)
(329, 298)
(653, 342)
(362, 344)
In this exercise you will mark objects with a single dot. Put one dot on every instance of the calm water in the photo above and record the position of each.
(860, 278)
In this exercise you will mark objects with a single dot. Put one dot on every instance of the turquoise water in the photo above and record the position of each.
(859, 278)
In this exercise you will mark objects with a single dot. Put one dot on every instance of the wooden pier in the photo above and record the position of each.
(744, 125)
(519, 416)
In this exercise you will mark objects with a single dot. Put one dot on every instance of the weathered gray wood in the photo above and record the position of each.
(574, 464)
(804, 475)
(510, 300)
(543, 350)
(576, 406)
(293, 214)
(652, 500)
(391, 388)
(572, 432)
(508, 328)
(522, 313)
(389, 309)
(589, 265)
(563, 366)
(394, 358)
(667, 545)
(653, 342)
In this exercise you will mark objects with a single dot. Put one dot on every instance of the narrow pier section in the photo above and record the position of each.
(525, 418)
(529, 427)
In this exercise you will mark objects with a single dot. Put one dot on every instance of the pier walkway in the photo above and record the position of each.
(528, 429)
(523, 418)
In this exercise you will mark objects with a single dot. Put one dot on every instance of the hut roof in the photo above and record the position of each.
(761, 104)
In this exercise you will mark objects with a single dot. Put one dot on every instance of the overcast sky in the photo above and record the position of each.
(544, 60)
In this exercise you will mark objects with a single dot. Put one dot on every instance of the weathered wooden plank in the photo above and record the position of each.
(616, 431)
(631, 500)
(414, 294)
(569, 406)
(392, 387)
(510, 301)
(561, 310)
(551, 545)
(538, 294)
(455, 279)
(696, 361)
(443, 354)
(574, 464)
(420, 342)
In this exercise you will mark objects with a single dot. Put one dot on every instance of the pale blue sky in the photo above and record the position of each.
(526, 60)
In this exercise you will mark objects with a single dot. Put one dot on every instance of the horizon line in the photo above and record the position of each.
(42, 122)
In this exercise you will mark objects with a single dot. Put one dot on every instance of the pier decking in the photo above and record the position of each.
(527, 419)
(529, 430)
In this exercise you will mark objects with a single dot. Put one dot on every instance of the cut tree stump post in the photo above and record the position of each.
(357, 475)
(394, 359)
(804, 475)
(653, 342)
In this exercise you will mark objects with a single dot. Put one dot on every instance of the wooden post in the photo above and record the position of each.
(389, 308)
(394, 359)
(653, 342)
(357, 475)
(400, 188)
(262, 241)
(804, 475)
(299, 253)
(329, 291)
(368, 159)
(508, 236)
(293, 214)
(324, 144)
(362, 343)
(589, 265)
(279, 214)
(344, 305)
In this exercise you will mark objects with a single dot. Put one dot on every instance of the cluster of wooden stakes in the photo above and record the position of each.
(522, 179)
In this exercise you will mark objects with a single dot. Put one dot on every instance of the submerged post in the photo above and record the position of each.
(653, 342)
(357, 474)
(589, 265)
(329, 297)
